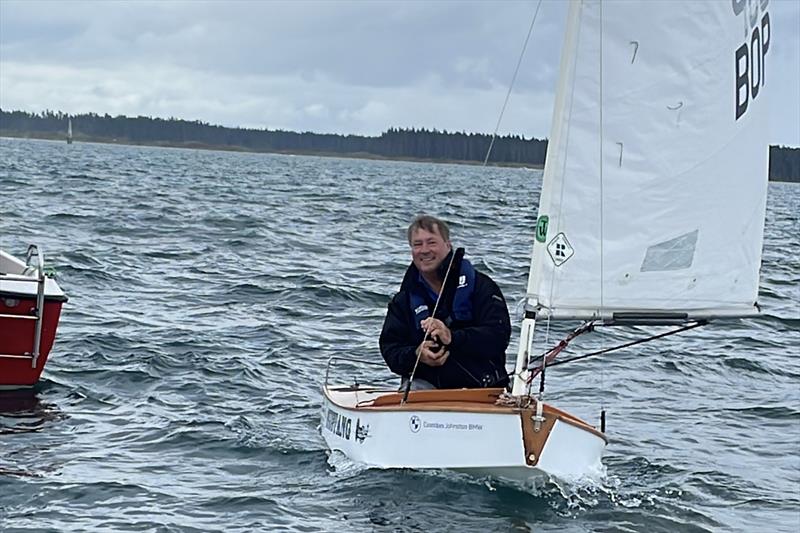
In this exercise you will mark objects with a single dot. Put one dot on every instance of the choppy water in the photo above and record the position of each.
(208, 289)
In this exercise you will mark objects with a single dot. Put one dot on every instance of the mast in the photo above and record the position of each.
(557, 135)
(69, 131)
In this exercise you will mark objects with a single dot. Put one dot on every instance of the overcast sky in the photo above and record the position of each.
(326, 66)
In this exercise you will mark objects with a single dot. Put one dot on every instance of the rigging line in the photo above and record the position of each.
(551, 354)
(511, 86)
(632, 343)
(602, 257)
(427, 333)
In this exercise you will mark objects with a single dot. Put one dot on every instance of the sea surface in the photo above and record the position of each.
(208, 291)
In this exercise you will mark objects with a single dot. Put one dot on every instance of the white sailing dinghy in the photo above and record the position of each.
(651, 212)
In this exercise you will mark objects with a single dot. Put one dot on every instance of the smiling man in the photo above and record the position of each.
(468, 337)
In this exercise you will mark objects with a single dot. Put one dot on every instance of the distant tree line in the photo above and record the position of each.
(784, 163)
(394, 143)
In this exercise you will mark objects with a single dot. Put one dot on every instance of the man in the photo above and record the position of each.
(468, 337)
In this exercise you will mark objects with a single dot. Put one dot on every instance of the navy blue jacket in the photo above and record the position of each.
(478, 347)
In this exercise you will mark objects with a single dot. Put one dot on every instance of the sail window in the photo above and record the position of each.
(674, 254)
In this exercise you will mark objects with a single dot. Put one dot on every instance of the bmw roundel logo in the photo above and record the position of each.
(414, 423)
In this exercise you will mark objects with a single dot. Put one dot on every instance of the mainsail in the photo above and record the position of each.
(654, 191)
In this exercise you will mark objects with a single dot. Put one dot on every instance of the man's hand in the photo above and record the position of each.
(432, 353)
(437, 331)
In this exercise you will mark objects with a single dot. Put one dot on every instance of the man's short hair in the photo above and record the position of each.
(429, 223)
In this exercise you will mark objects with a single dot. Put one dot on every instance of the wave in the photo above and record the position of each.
(208, 290)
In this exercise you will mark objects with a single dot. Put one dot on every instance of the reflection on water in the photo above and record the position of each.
(22, 411)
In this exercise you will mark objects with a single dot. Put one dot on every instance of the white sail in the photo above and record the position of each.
(654, 191)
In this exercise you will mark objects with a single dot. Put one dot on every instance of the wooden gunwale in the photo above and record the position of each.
(445, 400)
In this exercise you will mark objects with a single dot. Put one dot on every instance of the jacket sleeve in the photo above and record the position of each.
(397, 338)
(491, 332)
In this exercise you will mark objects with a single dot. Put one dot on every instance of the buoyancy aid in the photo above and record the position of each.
(459, 307)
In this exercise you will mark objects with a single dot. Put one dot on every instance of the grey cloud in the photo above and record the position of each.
(351, 67)
(377, 44)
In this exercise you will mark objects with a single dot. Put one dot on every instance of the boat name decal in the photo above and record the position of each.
(338, 424)
(751, 55)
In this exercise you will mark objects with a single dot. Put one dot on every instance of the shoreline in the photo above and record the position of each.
(228, 148)
(242, 149)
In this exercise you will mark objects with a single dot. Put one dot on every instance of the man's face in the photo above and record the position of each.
(428, 249)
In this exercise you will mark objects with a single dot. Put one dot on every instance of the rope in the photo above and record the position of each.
(511, 86)
(427, 333)
(519, 402)
(628, 344)
(551, 354)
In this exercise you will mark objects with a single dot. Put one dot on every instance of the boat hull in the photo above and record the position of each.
(17, 338)
(472, 436)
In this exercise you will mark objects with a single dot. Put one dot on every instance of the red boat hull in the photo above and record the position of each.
(16, 338)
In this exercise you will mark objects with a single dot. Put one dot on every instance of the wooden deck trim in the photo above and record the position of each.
(446, 407)
(574, 421)
(488, 396)
(577, 422)
(452, 400)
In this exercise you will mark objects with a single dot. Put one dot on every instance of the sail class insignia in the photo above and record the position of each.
(541, 228)
(560, 249)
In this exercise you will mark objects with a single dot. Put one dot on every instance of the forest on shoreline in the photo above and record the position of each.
(395, 143)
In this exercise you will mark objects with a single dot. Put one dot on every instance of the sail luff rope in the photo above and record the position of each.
(563, 170)
(427, 333)
(511, 85)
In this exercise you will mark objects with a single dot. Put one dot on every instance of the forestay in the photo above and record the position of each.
(655, 185)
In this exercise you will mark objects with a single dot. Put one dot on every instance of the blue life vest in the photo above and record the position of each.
(462, 301)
